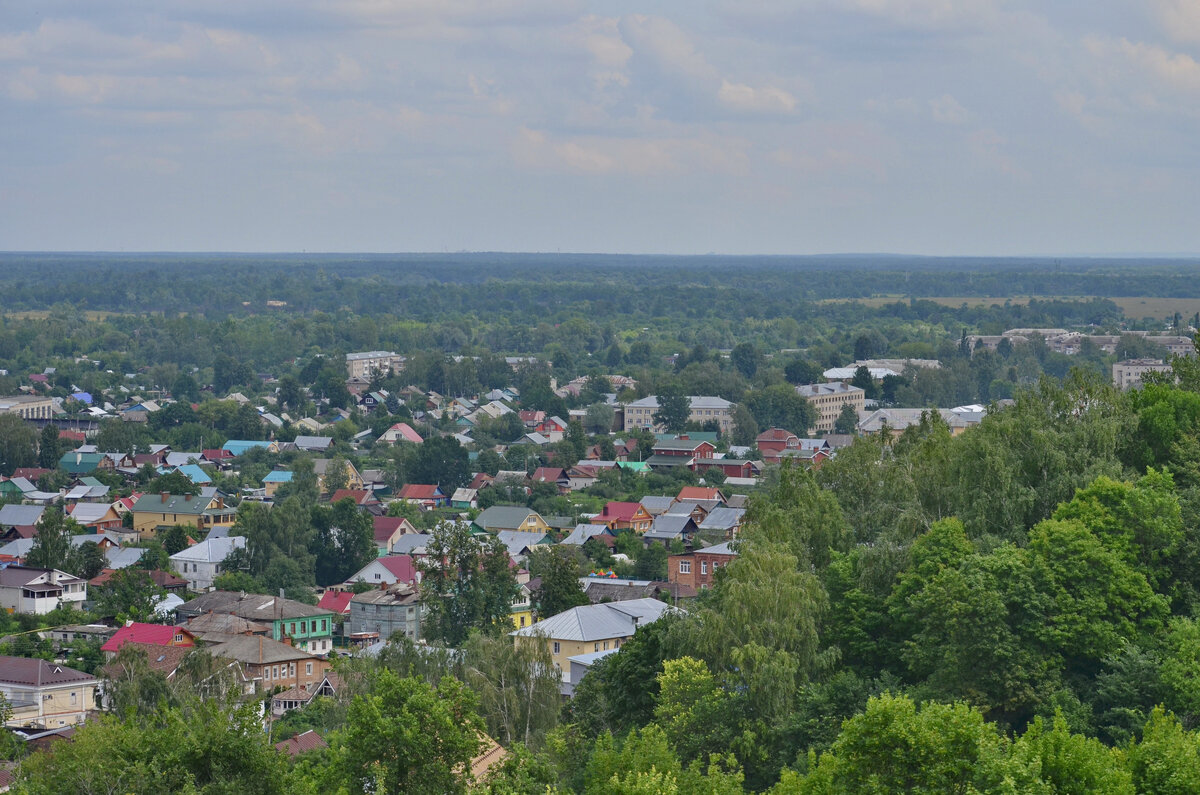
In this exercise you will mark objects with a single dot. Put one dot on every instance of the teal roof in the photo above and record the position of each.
(694, 436)
(175, 503)
(278, 476)
(80, 463)
(239, 446)
(636, 466)
(194, 473)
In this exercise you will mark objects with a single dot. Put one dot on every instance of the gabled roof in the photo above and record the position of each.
(386, 526)
(723, 519)
(655, 505)
(404, 432)
(700, 493)
(20, 515)
(548, 475)
(597, 622)
(517, 541)
(421, 491)
(151, 634)
(336, 601)
(670, 526)
(621, 511)
(504, 517)
(583, 532)
(313, 442)
(399, 566)
(239, 446)
(724, 548)
(210, 550)
(194, 473)
(174, 503)
(360, 496)
(258, 650)
(411, 544)
(278, 476)
(256, 607)
(35, 672)
(301, 743)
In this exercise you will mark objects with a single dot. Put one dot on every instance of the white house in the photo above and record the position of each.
(24, 589)
(201, 564)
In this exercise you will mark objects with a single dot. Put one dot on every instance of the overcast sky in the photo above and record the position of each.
(736, 126)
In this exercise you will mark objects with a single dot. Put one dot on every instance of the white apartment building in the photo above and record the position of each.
(367, 363)
(704, 408)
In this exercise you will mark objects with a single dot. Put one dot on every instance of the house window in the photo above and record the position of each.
(291, 669)
(556, 647)
(323, 627)
(74, 699)
(274, 671)
(308, 669)
(704, 567)
(596, 647)
(685, 567)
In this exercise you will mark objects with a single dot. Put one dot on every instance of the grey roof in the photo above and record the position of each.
(410, 543)
(687, 506)
(503, 517)
(655, 505)
(516, 541)
(86, 512)
(589, 659)
(256, 650)
(256, 607)
(123, 557)
(583, 532)
(598, 622)
(723, 519)
(179, 459)
(313, 442)
(211, 550)
(669, 525)
(29, 671)
(724, 548)
(20, 514)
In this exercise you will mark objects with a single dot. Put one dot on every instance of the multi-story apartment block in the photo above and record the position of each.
(704, 408)
(367, 363)
(28, 407)
(828, 400)
(1128, 374)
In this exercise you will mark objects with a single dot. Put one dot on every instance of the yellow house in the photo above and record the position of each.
(46, 694)
(590, 628)
(522, 608)
(204, 511)
(354, 480)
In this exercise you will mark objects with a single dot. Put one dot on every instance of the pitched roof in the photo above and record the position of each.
(336, 601)
(386, 526)
(516, 540)
(257, 650)
(301, 743)
(404, 431)
(597, 622)
(583, 532)
(360, 496)
(420, 491)
(30, 671)
(699, 493)
(256, 607)
(399, 566)
(504, 517)
(548, 475)
(20, 515)
(621, 511)
(150, 634)
(174, 503)
(210, 550)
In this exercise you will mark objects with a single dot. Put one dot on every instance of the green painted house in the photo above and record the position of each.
(310, 628)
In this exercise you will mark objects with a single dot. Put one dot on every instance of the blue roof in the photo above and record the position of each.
(83, 397)
(194, 473)
(238, 446)
(278, 476)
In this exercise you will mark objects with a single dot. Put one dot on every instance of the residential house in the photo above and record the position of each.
(698, 569)
(204, 511)
(321, 468)
(220, 627)
(19, 521)
(75, 463)
(273, 480)
(220, 458)
(700, 493)
(726, 521)
(590, 628)
(46, 694)
(580, 664)
(897, 420)
(308, 627)
(194, 473)
(388, 570)
(313, 444)
(24, 589)
(360, 497)
(201, 564)
(386, 611)
(464, 498)
(336, 602)
(729, 467)
(625, 516)
(400, 432)
(270, 664)
(582, 532)
(556, 475)
(669, 527)
(426, 496)
(680, 452)
(388, 529)
(148, 634)
(656, 505)
(520, 543)
(239, 446)
(510, 517)
(301, 743)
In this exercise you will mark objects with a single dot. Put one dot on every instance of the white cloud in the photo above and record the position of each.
(947, 110)
(767, 99)
(599, 155)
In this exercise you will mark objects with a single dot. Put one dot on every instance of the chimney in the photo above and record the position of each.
(165, 495)
(383, 586)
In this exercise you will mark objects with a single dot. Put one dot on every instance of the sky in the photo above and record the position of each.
(985, 127)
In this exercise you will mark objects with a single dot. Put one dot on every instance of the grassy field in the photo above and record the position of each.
(1134, 307)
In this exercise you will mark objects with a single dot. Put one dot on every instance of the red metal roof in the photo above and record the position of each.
(623, 511)
(420, 491)
(151, 634)
(336, 601)
(308, 741)
(400, 566)
(359, 496)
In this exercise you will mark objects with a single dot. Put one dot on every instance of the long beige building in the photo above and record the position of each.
(367, 363)
(28, 407)
(1128, 374)
(703, 408)
(828, 400)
